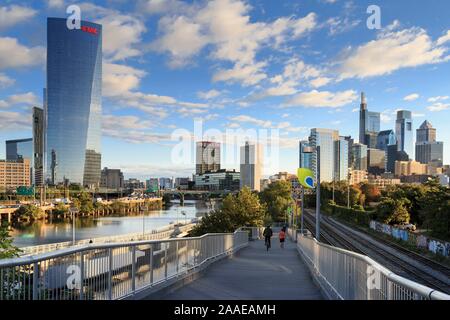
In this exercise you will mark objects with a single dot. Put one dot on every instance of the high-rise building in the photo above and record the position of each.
(428, 150)
(394, 155)
(350, 142)
(376, 161)
(38, 146)
(304, 157)
(369, 123)
(112, 179)
(165, 183)
(326, 139)
(385, 138)
(251, 156)
(359, 155)
(21, 149)
(73, 105)
(207, 157)
(341, 159)
(15, 173)
(404, 133)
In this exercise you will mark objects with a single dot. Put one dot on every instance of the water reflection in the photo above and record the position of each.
(89, 227)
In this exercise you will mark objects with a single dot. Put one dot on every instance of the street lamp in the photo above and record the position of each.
(73, 211)
(142, 209)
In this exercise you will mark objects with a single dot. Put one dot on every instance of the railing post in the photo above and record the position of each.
(133, 269)
(165, 261)
(110, 274)
(81, 275)
(176, 258)
(390, 293)
(151, 264)
(35, 280)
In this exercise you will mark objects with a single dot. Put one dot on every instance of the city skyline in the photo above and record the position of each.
(283, 79)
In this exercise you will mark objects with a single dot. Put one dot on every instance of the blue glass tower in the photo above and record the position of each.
(73, 103)
(404, 133)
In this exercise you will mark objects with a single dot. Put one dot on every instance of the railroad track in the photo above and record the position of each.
(337, 235)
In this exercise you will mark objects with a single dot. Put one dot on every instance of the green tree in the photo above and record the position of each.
(393, 211)
(7, 249)
(435, 211)
(243, 209)
(29, 211)
(277, 197)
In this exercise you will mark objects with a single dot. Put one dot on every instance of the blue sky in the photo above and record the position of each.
(266, 65)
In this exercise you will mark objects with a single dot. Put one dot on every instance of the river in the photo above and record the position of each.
(40, 232)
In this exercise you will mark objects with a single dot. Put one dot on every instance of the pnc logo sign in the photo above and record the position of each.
(89, 29)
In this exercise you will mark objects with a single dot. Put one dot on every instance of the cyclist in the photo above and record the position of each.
(267, 235)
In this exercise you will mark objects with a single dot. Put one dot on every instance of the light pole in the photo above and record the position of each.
(318, 194)
(73, 212)
(303, 207)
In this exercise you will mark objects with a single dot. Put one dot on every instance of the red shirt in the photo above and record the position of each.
(282, 235)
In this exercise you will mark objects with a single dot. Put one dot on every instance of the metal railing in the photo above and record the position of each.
(111, 271)
(156, 234)
(348, 275)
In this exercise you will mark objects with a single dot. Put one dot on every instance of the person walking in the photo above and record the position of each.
(267, 235)
(282, 237)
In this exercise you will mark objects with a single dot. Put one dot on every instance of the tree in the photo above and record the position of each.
(7, 249)
(277, 198)
(372, 192)
(435, 211)
(243, 209)
(29, 211)
(393, 211)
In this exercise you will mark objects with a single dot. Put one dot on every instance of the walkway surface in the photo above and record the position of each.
(253, 273)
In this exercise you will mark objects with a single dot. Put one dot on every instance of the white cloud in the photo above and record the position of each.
(391, 51)
(14, 121)
(438, 106)
(444, 39)
(13, 14)
(225, 26)
(438, 98)
(339, 25)
(125, 122)
(411, 97)
(322, 99)
(5, 81)
(119, 79)
(207, 95)
(22, 57)
(55, 3)
(28, 99)
(161, 6)
(252, 120)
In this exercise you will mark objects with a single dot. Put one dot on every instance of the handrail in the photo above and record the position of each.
(320, 264)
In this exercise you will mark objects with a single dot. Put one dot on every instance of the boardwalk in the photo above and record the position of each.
(254, 273)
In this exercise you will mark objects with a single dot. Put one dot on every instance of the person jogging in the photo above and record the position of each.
(267, 235)
(282, 237)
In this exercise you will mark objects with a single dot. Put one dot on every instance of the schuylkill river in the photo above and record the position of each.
(89, 227)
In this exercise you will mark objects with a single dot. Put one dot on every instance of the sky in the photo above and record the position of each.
(233, 68)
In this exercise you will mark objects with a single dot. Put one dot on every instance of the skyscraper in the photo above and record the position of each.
(341, 159)
(359, 154)
(73, 102)
(326, 139)
(19, 150)
(428, 150)
(369, 123)
(404, 133)
(38, 146)
(207, 157)
(304, 157)
(251, 156)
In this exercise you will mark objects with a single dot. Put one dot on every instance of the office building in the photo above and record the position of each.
(341, 159)
(165, 183)
(358, 176)
(359, 155)
(428, 150)
(376, 161)
(326, 139)
(218, 180)
(207, 157)
(350, 142)
(411, 167)
(133, 184)
(305, 157)
(152, 184)
(404, 133)
(369, 123)
(73, 103)
(394, 155)
(112, 179)
(182, 183)
(15, 173)
(251, 164)
(384, 139)
(20, 149)
(382, 182)
(38, 146)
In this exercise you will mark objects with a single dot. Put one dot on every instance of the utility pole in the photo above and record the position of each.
(318, 194)
(348, 189)
(303, 207)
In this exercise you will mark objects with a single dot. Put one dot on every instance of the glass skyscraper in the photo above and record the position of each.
(326, 139)
(73, 102)
(19, 149)
(404, 132)
(305, 158)
(369, 124)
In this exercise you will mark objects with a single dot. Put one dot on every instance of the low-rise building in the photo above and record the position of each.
(111, 179)
(217, 180)
(381, 182)
(15, 173)
(358, 176)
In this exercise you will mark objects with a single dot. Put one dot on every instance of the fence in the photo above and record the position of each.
(436, 246)
(347, 275)
(111, 271)
(157, 234)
